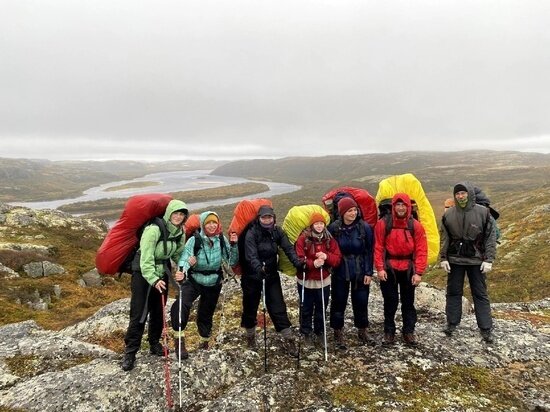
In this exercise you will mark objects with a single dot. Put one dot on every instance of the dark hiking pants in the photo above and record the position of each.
(252, 294)
(359, 302)
(400, 284)
(145, 300)
(208, 299)
(312, 308)
(455, 290)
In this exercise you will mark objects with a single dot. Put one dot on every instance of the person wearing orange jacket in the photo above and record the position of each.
(320, 252)
(400, 258)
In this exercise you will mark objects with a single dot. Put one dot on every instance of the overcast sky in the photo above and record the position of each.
(104, 79)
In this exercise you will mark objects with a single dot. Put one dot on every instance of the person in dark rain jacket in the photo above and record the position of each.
(355, 240)
(261, 245)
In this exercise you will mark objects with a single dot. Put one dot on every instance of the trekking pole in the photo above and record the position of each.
(167, 382)
(180, 296)
(265, 325)
(324, 315)
(301, 314)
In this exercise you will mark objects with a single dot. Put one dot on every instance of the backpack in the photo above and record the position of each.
(483, 200)
(365, 201)
(244, 215)
(295, 222)
(121, 244)
(421, 207)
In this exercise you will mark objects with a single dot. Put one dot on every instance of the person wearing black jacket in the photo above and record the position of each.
(260, 262)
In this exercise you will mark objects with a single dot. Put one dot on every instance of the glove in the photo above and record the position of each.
(486, 267)
(445, 266)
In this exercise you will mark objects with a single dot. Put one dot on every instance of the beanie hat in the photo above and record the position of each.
(316, 217)
(345, 204)
(211, 218)
(459, 188)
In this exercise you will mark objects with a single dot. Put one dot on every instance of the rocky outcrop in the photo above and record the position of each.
(44, 268)
(444, 374)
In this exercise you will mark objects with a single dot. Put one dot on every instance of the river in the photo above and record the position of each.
(168, 182)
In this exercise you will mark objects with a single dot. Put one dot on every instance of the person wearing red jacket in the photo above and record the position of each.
(320, 252)
(400, 258)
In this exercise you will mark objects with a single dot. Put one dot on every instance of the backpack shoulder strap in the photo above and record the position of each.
(388, 220)
(223, 246)
(163, 232)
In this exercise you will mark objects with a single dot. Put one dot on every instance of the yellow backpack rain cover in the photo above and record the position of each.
(296, 220)
(409, 184)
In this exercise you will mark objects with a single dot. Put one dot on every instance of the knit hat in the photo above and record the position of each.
(345, 204)
(459, 188)
(316, 217)
(211, 218)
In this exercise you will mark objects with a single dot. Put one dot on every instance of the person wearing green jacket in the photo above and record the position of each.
(151, 269)
(199, 268)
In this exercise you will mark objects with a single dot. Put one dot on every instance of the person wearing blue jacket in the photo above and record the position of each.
(199, 268)
(356, 242)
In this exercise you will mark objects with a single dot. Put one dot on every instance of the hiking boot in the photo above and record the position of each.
(487, 336)
(308, 341)
(363, 336)
(389, 338)
(204, 345)
(184, 353)
(409, 339)
(339, 339)
(449, 330)
(157, 349)
(251, 342)
(289, 346)
(128, 361)
(319, 341)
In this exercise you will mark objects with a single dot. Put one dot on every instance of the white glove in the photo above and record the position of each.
(445, 266)
(486, 267)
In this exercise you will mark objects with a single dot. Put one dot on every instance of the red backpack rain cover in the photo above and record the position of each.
(122, 238)
(364, 199)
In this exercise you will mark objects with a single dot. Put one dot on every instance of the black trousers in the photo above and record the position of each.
(359, 302)
(145, 300)
(208, 299)
(455, 290)
(400, 284)
(312, 308)
(276, 307)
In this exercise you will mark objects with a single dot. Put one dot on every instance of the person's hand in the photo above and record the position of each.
(192, 260)
(445, 266)
(367, 279)
(416, 279)
(233, 238)
(382, 275)
(160, 285)
(321, 255)
(318, 263)
(486, 267)
(180, 275)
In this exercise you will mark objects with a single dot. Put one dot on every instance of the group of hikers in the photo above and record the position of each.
(331, 262)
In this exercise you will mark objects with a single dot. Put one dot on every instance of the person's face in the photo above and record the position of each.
(461, 196)
(177, 218)
(210, 227)
(266, 219)
(319, 226)
(400, 209)
(350, 215)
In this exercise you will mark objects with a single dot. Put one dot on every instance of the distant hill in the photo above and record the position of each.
(35, 180)
(437, 170)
